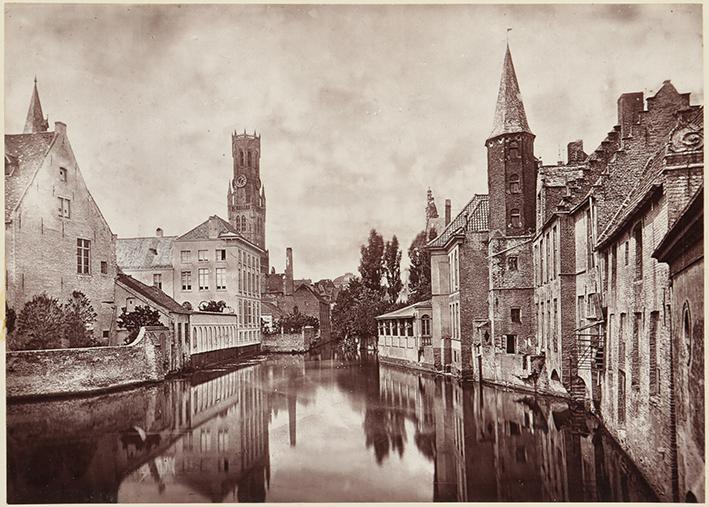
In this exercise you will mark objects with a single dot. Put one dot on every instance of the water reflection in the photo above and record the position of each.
(324, 427)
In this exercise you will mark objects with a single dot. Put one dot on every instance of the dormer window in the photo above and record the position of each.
(62, 174)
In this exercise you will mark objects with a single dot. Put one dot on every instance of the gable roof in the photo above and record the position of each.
(144, 253)
(153, 294)
(310, 289)
(24, 154)
(223, 229)
(687, 229)
(472, 218)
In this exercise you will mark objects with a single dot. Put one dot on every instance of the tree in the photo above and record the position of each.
(419, 269)
(355, 311)
(212, 306)
(139, 317)
(187, 305)
(392, 269)
(10, 317)
(78, 315)
(295, 321)
(371, 264)
(39, 325)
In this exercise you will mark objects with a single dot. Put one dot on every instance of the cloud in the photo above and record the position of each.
(360, 108)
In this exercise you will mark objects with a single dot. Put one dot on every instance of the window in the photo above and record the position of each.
(185, 256)
(614, 265)
(203, 275)
(512, 263)
(621, 343)
(248, 158)
(580, 311)
(515, 315)
(621, 397)
(243, 224)
(638, 237)
(201, 255)
(104, 333)
(555, 332)
(426, 325)
(687, 332)
(553, 252)
(104, 267)
(221, 278)
(186, 277)
(221, 255)
(513, 150)
(653, 370)
(157, 280)
(241, 153)
(62, 174)
(627, 251)
(64, 210)
(83, 256)
(510, 340)
(514, 184)
(635, 358)
(547, 259)
(515, 219)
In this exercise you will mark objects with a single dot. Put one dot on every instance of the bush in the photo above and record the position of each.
(45, 324)
(139, 317)
(10, 317)
(40, 325)
(212, 306)
(78, 314)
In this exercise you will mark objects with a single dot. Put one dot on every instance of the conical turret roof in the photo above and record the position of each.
(509, 112)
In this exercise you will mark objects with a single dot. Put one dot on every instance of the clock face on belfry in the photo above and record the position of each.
(241, 181)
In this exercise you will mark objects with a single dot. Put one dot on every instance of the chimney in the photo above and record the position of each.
(60, 127)
(629, 107)
(212, 228)
(574, 152)
(158, 232)
(288, 289)
(448, 211)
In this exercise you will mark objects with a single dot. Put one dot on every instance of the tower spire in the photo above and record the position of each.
(509, 112)
(35, 121)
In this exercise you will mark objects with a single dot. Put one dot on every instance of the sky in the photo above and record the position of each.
(360, 108)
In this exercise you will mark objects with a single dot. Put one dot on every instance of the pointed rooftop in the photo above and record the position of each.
(510, 117)
(35, 117)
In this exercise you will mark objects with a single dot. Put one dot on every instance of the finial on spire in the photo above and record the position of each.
(507, 36)
(35, 79)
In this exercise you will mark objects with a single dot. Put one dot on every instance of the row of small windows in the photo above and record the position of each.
(242, 225)
(220, 255)
(249, 158)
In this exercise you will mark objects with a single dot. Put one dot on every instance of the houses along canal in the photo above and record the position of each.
(320, 427)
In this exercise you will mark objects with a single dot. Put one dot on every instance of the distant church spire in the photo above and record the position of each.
(35, 117)
(510, 117)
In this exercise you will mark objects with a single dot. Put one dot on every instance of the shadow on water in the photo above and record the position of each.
(329, 425)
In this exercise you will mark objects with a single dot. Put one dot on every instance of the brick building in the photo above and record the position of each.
(47, 203)
(682, 248)
(286, 293)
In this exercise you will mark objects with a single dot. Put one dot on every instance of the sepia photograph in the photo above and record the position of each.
(325, 253)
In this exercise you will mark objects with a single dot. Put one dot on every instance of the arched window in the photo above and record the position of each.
(638, 237)
(687, 331)
(515, 219)
(241, 153)
(256, 159)
(248, 154)
(243, 223)
(425, 325)
(514, 184)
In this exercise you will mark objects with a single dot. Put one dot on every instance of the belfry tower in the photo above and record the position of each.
(512, 176)
(246, 197)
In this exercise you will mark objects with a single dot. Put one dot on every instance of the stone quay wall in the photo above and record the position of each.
(289, 342)
(57, 372)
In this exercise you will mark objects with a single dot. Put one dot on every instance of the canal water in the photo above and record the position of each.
(323, 427)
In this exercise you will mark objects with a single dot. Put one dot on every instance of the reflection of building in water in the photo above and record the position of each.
(492, 445)
(222, 453)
